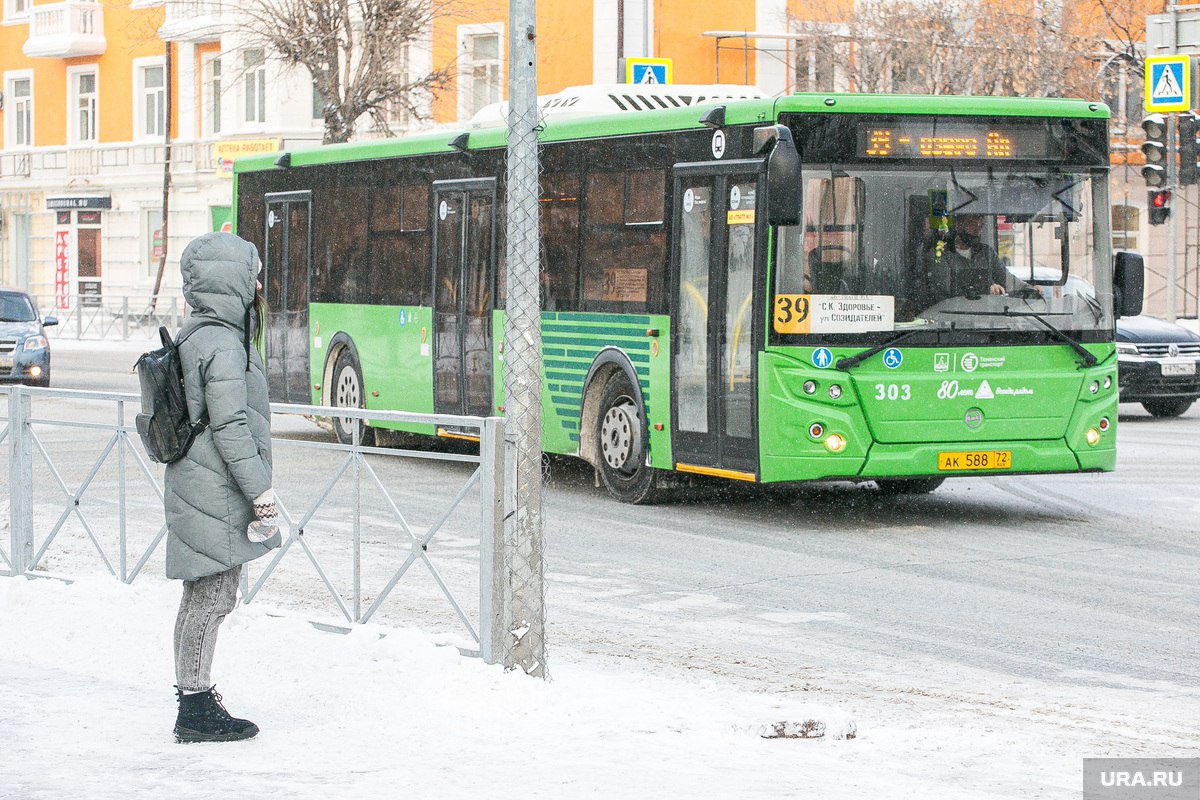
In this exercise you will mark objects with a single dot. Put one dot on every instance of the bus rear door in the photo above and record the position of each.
(718, 238)
(286, 263)
(464, 276)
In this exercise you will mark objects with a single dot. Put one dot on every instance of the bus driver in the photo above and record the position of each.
(964, 265)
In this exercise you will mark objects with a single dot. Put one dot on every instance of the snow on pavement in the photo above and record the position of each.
(87, 706)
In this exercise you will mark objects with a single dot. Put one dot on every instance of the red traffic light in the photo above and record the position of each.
(1159, 206)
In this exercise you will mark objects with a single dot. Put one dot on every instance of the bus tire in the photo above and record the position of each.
(908, 485)
(621, 443)
(347, 392)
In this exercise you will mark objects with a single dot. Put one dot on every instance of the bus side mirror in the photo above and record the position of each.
(783, 174)
(1129, 276)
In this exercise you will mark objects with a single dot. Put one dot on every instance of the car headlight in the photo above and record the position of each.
(1125, 349)
(35, 343)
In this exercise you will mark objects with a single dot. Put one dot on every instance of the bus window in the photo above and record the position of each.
(644, 197)
(385, 209)
(623, 261)
(832, 214)
(415, 208)
(340, 269)
(560, 241)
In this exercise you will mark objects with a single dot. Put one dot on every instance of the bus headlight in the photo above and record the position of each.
(816, 430)
(835, 391)
(1093, 437)
(835, 443)
(810, 387)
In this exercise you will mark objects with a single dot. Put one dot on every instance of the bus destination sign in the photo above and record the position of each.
(927, 139)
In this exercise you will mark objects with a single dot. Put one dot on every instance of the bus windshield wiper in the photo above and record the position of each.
(1086, 357)
(849, 361)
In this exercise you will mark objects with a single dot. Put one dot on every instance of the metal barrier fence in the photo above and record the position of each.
(80, 485)
(95, 316)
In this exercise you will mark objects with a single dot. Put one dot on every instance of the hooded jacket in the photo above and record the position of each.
(209, 493)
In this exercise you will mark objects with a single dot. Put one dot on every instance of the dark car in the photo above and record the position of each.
(1158, 365)
(24, 351)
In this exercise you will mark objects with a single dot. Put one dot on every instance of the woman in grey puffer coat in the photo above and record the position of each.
(223, 484)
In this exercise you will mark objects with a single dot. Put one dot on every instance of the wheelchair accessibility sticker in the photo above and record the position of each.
(892, 358)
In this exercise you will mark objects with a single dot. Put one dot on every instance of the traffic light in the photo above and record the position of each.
(1159, 205)
(1189, 149)
(1155, 150)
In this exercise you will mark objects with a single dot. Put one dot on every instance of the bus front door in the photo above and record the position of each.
(285, 288)
(464, 281)
(717, 241)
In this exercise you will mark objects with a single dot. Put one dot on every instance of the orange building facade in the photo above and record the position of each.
(85, 91)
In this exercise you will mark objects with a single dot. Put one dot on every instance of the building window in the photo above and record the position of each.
(318, 100)
(482, 59)
(16, 9)
(395, 110)
(254, 65)
(816, 57)
(1125, 223)
(84, 107)
(211, 97)
(19, 116)
(152, 111)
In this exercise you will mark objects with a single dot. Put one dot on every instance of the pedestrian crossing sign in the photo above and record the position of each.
(1168, 83)
(648, 70)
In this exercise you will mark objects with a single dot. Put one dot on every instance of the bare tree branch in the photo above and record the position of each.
(357, 52)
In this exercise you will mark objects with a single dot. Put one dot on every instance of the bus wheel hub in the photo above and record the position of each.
(618, 437)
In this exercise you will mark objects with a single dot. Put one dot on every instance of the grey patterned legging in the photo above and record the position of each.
(205, 604)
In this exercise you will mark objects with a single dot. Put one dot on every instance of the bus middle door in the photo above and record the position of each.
(464, 278)
(717, 241)
(285, 278)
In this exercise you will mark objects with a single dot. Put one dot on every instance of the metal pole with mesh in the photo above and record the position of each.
(523, 613)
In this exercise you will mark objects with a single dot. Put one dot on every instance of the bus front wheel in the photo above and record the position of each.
(348, 393)
(621, 438)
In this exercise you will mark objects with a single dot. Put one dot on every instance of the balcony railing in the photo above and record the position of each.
(191, 20)
(66, 30)
(49, 163)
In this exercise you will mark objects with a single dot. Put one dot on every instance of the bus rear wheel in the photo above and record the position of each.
(621, 438)
(348, 393)
(908, 485)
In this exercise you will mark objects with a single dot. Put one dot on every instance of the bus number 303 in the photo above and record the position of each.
(893, 391)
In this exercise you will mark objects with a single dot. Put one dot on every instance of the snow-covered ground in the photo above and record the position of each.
(662, 684)
(86, 710)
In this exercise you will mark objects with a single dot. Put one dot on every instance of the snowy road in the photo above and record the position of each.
(1014, 622)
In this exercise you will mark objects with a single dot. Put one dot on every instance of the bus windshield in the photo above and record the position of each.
(952, 249)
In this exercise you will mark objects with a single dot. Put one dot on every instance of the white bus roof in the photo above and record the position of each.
(616, 98)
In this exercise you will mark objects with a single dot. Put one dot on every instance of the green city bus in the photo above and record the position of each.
(768, 290)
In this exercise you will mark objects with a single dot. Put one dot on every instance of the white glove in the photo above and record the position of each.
(266, 518)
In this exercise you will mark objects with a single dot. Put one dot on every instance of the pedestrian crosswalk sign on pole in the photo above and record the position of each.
(648, 70)
(1168, 83)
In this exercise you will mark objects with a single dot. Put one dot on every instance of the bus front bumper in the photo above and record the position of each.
(947, 459)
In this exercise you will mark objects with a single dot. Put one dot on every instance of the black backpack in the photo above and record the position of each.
(166, 430)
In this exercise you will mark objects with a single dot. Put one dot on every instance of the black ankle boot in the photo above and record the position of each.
(202, 718)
